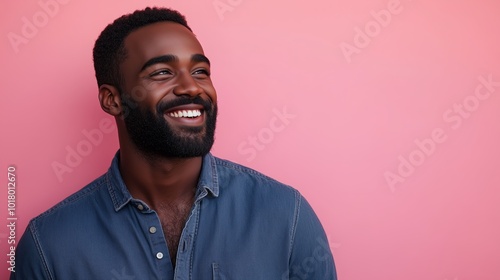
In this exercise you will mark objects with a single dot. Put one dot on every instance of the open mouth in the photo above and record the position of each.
(190, 115)
(185, 113)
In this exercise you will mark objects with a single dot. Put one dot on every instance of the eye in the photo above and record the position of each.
(161, 72)
(201, 73)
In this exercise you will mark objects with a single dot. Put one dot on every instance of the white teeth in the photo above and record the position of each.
(185, 114)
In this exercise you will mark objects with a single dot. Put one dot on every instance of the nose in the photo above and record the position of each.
(187, 85)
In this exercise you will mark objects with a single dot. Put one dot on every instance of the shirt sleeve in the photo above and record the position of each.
(311, 257)
(29, 262)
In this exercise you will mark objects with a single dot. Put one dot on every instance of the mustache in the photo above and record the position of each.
(183, 100)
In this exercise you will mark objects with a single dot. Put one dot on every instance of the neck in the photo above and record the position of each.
(159, 181)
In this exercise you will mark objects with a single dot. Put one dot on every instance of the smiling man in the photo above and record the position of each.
(167, 208)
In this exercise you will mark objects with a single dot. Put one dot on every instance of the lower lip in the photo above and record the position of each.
(187, 121)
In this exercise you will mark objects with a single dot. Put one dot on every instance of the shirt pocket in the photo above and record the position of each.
(216, 273)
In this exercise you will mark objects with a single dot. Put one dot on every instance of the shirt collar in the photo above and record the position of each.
(120, 195)
(209, 178)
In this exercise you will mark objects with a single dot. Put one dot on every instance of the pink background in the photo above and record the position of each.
(358, 104)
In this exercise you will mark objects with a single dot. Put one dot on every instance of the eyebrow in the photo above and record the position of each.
(200, 58)
(172, 58)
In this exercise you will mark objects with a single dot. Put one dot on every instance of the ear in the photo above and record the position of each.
(110, 100)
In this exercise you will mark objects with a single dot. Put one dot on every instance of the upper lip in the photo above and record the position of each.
(191, 106)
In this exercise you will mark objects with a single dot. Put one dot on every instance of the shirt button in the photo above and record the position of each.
(152, 229)
(140, 207)
(159, 255)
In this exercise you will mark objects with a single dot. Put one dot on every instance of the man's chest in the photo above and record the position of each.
(172, 221)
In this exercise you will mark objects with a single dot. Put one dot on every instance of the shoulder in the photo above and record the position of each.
(57, 228)
(73, 207)
(246, 177)
(247, 187)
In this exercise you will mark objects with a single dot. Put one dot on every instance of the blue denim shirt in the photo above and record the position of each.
(243, 225)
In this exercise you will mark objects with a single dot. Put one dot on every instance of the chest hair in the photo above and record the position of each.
(173, 218)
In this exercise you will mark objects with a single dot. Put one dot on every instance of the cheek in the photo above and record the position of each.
(213, 97)
(150, 93)
(210, 91)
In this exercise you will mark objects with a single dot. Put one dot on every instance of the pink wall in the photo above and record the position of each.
(392, 130)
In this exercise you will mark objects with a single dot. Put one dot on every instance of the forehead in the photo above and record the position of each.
(160, 39)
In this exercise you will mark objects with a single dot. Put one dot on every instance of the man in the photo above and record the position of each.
(167, 208)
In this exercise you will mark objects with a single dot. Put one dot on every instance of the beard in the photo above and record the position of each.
(156, 138)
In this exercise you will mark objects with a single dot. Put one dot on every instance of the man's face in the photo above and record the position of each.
(169, 100)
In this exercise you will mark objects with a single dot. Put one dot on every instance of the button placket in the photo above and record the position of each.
(182, 266)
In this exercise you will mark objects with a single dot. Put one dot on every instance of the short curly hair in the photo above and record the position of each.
(109, 50)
